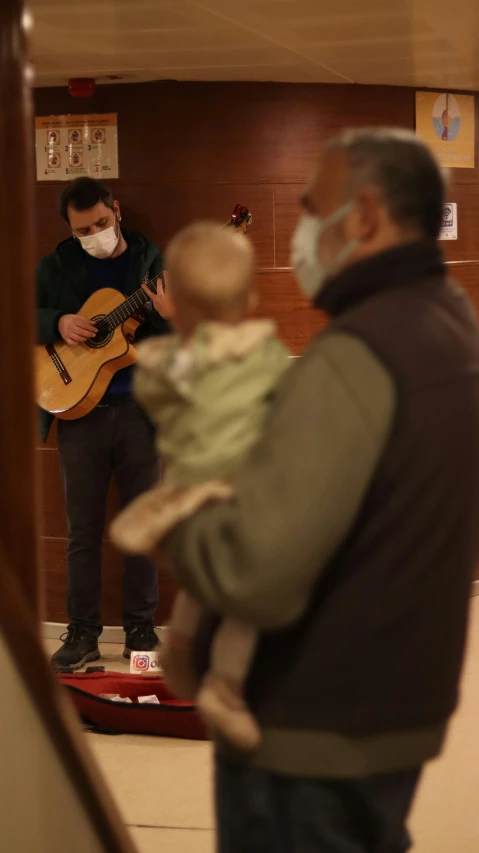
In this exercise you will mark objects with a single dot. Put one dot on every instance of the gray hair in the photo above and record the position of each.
(402, 168)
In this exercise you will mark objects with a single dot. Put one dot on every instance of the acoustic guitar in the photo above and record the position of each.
(71, 380)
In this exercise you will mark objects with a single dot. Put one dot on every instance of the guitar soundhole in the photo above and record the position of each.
(104, 334)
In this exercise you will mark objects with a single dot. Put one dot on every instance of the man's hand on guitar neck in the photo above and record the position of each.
(76, 329)
(161, 300)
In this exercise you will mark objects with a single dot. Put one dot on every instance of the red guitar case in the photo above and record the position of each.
(171, 718)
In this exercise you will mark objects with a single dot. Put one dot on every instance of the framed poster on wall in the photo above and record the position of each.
(446, 122)
(73, 145)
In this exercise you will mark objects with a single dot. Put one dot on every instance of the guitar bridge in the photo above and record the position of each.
(65, 376)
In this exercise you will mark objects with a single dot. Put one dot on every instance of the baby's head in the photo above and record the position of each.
(210, 275)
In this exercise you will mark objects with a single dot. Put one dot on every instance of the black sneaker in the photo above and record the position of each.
(80, 646)
(141, 638)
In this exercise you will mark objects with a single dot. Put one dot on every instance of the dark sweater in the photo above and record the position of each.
(114, 273)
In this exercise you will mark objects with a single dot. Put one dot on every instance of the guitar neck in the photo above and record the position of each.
(132, 304)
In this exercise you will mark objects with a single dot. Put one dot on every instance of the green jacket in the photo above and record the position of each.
(210, 409)
(62, 288)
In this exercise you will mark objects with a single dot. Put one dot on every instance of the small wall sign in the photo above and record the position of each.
(449, 222)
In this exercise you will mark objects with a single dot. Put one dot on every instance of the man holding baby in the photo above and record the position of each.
(350, 538)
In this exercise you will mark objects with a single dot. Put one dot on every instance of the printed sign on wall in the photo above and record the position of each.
(446, 123)
(449, 222)
(69, 146)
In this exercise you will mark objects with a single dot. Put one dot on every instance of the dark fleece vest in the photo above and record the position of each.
(381, 646)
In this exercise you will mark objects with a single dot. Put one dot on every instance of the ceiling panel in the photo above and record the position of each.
(414, 42)
(50, 37)
(389, 51)
(124, 14)
(385, 26)
(296, 10)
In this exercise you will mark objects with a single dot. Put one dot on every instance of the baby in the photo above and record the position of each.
(207, 390)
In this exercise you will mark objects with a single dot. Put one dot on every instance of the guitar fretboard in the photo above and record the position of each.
(129, 307)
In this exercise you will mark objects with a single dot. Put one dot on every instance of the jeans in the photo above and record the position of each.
(110, 440)
(262, 812)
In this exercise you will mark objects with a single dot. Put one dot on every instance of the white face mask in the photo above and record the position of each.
(310, 272)
(102, 244)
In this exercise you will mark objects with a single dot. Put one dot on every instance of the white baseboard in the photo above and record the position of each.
(111, 633)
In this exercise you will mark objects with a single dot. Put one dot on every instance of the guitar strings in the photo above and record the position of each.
(115, 315)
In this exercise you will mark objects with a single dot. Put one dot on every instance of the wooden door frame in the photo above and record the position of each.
(20, 609)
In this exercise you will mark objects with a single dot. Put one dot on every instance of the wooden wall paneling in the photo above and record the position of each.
(467, 275)
(189, 131)
(51, 441)
(162, 209)
(191, 150)
(280, 299)
(19, 581)
(17, 427)
(465, 248)
(287, 210)
(51, 227)
(227, 132)
(52, 519)
(159, 210)
(466, 195)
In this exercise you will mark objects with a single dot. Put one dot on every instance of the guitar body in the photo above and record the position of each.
(71, 380)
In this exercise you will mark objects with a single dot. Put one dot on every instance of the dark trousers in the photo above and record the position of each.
(261, 812)
(111, 439)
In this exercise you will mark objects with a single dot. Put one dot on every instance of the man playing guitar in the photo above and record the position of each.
(113, 438)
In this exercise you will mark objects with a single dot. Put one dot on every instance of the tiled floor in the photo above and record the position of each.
(163, 786)
(446, 816)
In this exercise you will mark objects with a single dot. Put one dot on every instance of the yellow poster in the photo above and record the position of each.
(446, 123)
